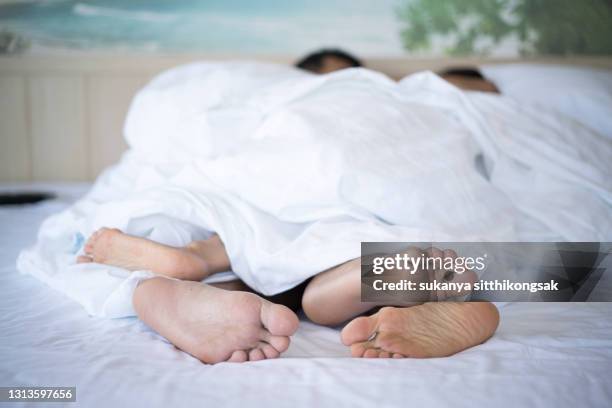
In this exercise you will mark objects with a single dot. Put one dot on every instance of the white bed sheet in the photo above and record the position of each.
(543, 355)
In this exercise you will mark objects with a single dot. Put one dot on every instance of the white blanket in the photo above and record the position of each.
(293, 171)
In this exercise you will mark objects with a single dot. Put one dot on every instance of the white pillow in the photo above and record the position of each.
(585, 94)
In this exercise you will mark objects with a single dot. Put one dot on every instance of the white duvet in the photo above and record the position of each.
(293, 171)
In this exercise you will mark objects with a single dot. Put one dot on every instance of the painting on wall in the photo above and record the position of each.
(275, 27)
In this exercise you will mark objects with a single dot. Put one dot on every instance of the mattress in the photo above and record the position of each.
(544, 354)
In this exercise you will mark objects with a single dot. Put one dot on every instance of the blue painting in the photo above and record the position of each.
(277, 27)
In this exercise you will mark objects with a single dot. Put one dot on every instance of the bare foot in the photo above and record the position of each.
(334, 296)
(212, 324)
(113, 247)
(427, 330)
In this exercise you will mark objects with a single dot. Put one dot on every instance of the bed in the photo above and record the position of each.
(544, 354)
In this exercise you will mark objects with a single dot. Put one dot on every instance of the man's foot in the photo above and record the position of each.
(212, 324)
(427, 330)
(113, 247)
(334, 296)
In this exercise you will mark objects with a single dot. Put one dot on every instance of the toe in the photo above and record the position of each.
(398, 355)
(238, 356)
(358, 330)
(278, 319)
(84, 259)
(393, 342)
(88, 248)
(466, 277)
(449, 253)
(91, 242)
(101, 244)
(384, 354)
(434, 252)
(358, 349)
(371, 353)
(268, 350)
(256, 355)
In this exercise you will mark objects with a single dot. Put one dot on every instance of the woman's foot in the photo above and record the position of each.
(212, 324)
(196, 261)
(427, 330)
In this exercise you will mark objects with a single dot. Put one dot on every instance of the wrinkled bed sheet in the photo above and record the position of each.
(543, 355)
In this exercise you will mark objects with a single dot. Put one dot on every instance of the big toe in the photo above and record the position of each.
(359, 330)
(358, 349)
(90, 244)
(278, 319)
(84, 259)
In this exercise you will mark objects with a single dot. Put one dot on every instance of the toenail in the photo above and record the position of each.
(372, 336)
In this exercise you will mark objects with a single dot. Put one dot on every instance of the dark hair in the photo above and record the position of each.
(462, 72)
(314, 62)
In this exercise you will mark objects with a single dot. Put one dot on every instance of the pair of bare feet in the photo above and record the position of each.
(216, 325)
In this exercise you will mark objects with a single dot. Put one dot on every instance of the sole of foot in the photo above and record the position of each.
(212, 324)
(423, 331)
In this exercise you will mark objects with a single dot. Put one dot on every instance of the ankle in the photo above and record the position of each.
(212, 251)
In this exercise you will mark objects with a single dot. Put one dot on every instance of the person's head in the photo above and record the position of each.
(468, 78)
(327, 60)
